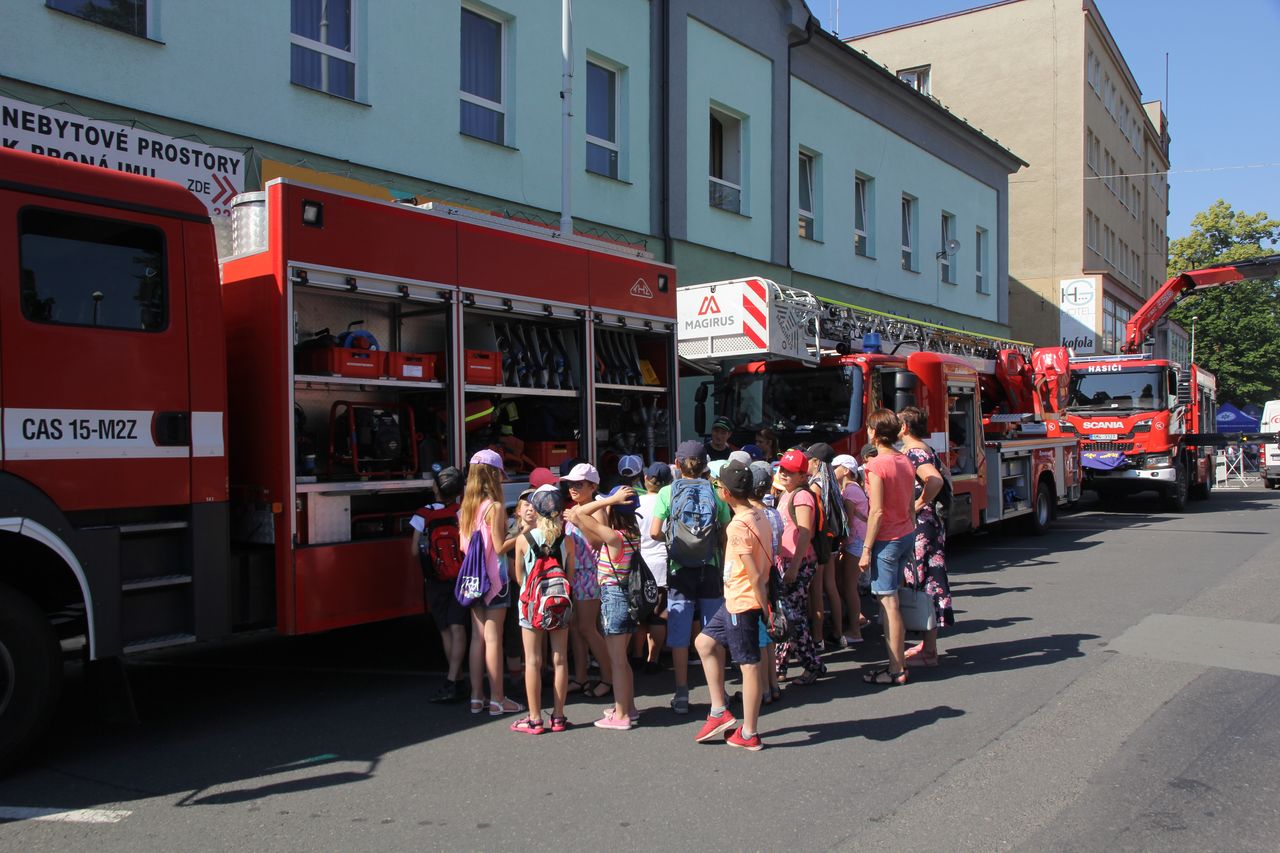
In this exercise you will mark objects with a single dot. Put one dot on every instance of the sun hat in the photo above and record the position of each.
(487, 457)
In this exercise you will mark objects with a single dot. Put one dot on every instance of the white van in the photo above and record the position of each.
(1269, 460)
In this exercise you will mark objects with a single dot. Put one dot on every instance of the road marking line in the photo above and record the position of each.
(13, 813)
(1224, 643)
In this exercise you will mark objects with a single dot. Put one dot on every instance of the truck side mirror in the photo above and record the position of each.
(904, 390)
(700, 394)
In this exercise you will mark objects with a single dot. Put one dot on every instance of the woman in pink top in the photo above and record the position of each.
(482, 511)
(890, 537)
(847, 471)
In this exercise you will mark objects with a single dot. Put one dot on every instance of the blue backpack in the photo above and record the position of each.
(692, 529)
(473, 581)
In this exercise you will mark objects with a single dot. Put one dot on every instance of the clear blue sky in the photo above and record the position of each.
(1222, 79)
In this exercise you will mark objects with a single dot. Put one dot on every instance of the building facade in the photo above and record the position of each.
(1088, 216)
(726, 140)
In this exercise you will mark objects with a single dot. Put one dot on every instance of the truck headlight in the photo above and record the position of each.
(1163, 460)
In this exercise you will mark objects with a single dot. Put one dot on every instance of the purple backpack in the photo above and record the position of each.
(473, 581)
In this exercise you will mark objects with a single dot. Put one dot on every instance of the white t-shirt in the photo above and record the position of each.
(419, 523)
(652, 551)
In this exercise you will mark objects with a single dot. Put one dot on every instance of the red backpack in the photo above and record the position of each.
(545, 601)
(440, 546)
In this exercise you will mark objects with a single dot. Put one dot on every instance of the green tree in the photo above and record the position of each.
(1237, 326)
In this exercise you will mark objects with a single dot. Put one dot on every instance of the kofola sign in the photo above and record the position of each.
(214, 175)
(1078, 305)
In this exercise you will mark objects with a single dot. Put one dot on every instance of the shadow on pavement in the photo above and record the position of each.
(873, 728)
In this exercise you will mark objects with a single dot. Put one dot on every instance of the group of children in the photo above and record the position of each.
(745, 547)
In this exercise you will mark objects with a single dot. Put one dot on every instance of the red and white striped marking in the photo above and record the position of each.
(755, 317)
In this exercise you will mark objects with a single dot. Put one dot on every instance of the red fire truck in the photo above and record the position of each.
(185, 458)
(782, 359)
(1149, 424)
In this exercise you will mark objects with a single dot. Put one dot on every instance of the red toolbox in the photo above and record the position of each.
(414, 366)
(482, 367)
(548, 454)
(355, 363)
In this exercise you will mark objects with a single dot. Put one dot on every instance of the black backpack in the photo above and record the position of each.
(642, 588)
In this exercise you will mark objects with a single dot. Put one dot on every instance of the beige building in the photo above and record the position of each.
(1087, 240)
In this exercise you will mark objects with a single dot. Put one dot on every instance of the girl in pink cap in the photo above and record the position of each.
(482, 510)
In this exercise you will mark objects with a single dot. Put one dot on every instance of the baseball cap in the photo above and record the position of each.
(630, 466)
(660, 473)
(691, 449)
(487, 457)
(449, 482)
(754, 451)
(722, 422)
(844, 460)
(822, 451)
(583, 472)
(715, 466)
(547, 501)
(567, 464)
(627, 507)
(539, 477)
(742, 456)
(736, 477)
(761, 475)
(794, 461)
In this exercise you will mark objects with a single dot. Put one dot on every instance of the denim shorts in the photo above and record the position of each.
(737, 632)
(888, 560)
(615, 616)
(680, 610)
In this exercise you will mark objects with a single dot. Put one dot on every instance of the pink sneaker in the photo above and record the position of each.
(715, 727)
(608, 722)
(752, 743)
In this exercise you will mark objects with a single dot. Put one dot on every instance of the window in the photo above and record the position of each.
(1090, 230)
(916, 78)
(725, 162)
(1115, 316)
(321, 52)
(1095, 74)
(602, 120)
(980, 260)
(805, 181)
(1091, 150)
(944, 254)
(862, 206)
(1107, 242)
(908, 232)
(83, 271)
(483, 112)
(127, 16)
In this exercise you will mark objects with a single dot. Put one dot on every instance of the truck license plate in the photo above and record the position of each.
(1105, 436)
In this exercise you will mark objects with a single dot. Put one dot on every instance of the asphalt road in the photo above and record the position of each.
(1110, 686)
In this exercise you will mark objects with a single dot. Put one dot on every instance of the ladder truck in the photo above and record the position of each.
(812, 370)
(1145, 423)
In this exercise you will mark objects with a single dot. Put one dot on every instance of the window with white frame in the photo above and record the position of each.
(980, 261)
(863, 205)
(724, 164)
(1095, 74)
(1091, 150)
(946, 259)
(805, 182)
(908, 232)
(127, 16)
(322, 46)
(1090, 230)
(482, 77)
(917, 78)
(602, 120)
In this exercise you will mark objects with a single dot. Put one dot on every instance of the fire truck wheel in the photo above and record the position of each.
(30, 673)
(1042, 511)
(1201, 491)
(1175, 500)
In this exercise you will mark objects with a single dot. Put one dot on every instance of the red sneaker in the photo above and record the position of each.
(715, 727)
(752, 743)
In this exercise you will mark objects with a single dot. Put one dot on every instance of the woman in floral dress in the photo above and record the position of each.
(928, 566)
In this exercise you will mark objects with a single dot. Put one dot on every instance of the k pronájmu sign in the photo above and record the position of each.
(214, 175)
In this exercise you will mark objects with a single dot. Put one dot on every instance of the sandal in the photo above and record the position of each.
(528, 726)
(497, 709)
(923, 659)
(477, 705)
(558, 724)
(576, 686)
(592, 689)
(808, 677)
(882, 676)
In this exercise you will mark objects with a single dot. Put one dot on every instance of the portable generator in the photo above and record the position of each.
(372, 439)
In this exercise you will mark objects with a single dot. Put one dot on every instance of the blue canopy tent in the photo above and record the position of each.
(1231, 419)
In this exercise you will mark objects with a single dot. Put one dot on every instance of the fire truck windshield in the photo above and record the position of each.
(1140, 389)
(794, 401)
